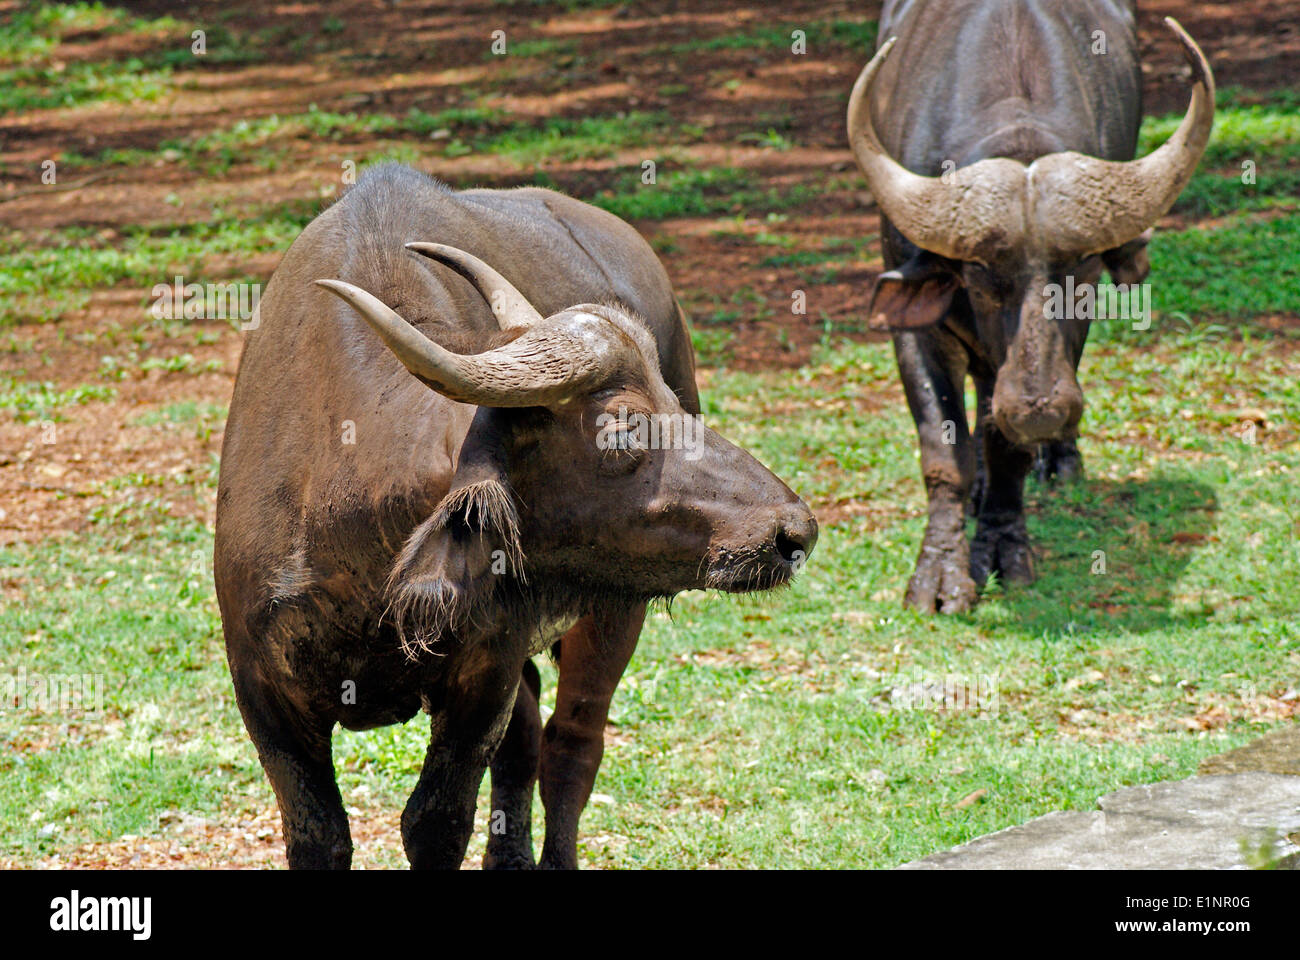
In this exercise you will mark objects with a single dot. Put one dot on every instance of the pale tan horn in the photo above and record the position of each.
(1086, 205)
(1078, 204)
(545, 366)
(507, 303)
(977, 210)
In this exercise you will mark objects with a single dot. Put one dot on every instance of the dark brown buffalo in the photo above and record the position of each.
(403, 519)
(998, 139)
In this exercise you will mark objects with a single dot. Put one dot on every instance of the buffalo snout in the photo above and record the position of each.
(1028, 418)
(795, 534)
(762, 532)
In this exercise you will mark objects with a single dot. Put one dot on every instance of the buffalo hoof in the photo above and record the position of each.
(1058, 463)
(941, 583)
(499, 861)
(1002, 548)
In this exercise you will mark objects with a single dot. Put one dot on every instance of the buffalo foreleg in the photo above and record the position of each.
(1058, 460)
(295, 753)
(933, 369)
(514, 775)
(1001, 539)
(593, 656)
(468, 717)
(983, 422)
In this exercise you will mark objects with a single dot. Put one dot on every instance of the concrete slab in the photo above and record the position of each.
(1196, 824)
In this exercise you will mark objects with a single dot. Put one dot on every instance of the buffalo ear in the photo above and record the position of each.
(914, 295)
(450, 565)
(1128, 264)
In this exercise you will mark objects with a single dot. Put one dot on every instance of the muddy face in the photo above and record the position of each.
(1037, 397)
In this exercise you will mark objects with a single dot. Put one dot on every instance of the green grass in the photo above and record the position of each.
(32, 31)
(564, 139)
(264, 139)
(742, 724)
(758, 732)
(462, 130)
(65, 265)
(1261, 139)
(1246, 268)
(31, 43)
(536, 47)
(855, 34)
(28, 400)
(37, 88)
(745, 752)
(43, 276)
(202, 417)
(139, 610)
(30, 39)
(814, 267)
(1214, 280)
(697, 192)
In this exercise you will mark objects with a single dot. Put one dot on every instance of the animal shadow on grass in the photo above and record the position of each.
(1110, 554)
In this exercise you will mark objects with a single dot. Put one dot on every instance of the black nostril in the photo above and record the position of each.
(792, 549)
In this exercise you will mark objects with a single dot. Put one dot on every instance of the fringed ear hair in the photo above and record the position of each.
(452, 563)
(484, 508)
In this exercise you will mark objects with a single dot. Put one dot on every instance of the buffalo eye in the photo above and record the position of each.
(620, 448)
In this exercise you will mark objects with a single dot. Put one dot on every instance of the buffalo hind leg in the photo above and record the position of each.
(1001, 538)
(1058, 461)
(514, 776)
(593, 656)
(474, 701)
(983, 422)
(932, 366)
(295, 754)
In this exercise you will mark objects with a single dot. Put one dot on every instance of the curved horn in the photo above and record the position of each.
(508, 304)
(1088, 205)
(1080, 204)
(543, 367)
(965, 215)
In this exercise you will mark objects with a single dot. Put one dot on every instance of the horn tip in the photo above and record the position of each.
(865, 78)
(1195, 58)
(343, 290)
(1178, 30)
(427, 248)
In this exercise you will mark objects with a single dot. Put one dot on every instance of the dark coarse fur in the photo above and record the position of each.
(421, 563)
(339, 370)
(970, 80)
